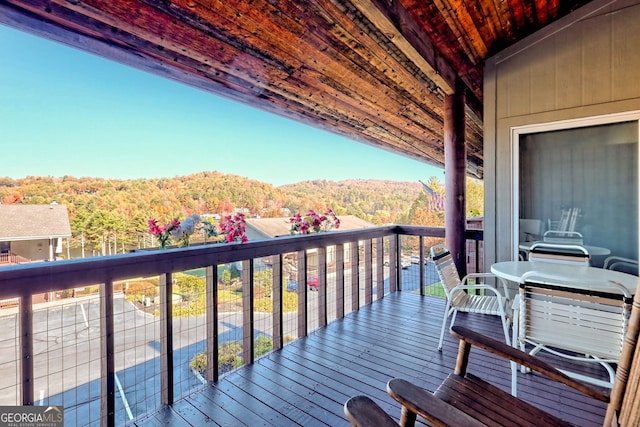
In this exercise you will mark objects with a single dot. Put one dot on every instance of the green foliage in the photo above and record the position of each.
(289, 302)
(230, 354)
(110, 216)
(234, 270)
(225, 296)
(377, 201)
(135, 289)
(262, 345)
(190, 287)
(199, 362)
(190, 308)
(225, 277)
(264, 280)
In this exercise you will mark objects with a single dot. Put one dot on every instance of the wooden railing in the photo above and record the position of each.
(369, 249)
(9, 258)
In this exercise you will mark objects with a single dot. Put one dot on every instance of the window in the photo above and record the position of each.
(589, 173)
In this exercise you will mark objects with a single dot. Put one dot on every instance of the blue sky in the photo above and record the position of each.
(67, 112)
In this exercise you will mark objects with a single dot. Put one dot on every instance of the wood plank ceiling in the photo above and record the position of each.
(375, 71)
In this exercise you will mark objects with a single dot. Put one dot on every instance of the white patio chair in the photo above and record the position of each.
(560, 253)
(490, 301)
(569, 237)
(554, 314)
(618, 263)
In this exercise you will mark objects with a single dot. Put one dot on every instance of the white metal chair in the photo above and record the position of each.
(529, 230)
(555, 315)
(491, 301)
(568, 220)
(570, 237)
(560, 253)
(617, 263)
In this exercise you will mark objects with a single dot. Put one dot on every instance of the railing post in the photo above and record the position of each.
(379, 267)
(322, 287)
(107, 361)
(302, 293)
(26, 347)
(339, 281)
(368, 271)
(211, 287)
(247, 312)
(166, 339)
(277, 301)
(355, 275)
(422, 269)
(394, 262)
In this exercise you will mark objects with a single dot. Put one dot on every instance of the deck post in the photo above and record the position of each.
(339, 281)
(107, 361)
(248, 307)
(455, 171)
(277, 319)
(354, 253)
(166, 339)
(26, 347)
(379, 257)
(322, 287)
(302, 293)
(211, 288)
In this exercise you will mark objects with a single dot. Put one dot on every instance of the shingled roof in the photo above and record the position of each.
(274, 227)
(31, 222)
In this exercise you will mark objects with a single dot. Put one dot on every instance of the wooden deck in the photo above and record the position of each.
(308, 381)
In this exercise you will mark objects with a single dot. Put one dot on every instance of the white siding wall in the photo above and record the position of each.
(585, 65)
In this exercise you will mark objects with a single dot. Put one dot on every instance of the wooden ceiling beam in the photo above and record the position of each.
(426, 60)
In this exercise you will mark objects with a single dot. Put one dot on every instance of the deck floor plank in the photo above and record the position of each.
(307, 382)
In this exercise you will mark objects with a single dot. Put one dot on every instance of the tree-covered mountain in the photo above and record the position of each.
(110, 212)
(376, 201)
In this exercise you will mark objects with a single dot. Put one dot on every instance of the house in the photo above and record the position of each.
(265, 228)
(30, 233)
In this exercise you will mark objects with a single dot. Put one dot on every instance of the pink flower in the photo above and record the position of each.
(234, 228)
(163, 233)
(313, 222)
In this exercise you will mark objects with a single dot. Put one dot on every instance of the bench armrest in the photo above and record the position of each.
(415, 400)
(522, 358)
(361, 411)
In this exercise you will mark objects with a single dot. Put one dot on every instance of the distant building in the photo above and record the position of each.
(215, 217)
(30, 233)
(266, 228)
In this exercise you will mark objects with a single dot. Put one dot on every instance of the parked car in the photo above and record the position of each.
(292, 286)
(415, 259)
(404, 263)
(312, 283)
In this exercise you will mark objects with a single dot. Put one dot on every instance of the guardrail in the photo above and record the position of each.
(130, 355)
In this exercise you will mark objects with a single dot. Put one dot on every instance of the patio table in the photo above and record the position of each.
(514, 270)
(589, 280)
